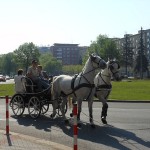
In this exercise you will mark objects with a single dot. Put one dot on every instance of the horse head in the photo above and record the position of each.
(114, 67)
(98, 61)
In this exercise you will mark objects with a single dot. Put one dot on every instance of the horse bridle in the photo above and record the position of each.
(111, 67)
(92, 60)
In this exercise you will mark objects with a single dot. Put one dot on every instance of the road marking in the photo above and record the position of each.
(9, 120)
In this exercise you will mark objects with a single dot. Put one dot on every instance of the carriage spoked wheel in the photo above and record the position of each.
(58, 110)
(17, 104)
(44, 107)
(34, 107)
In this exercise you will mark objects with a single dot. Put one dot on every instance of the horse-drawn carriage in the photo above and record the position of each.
(82, 86)
(37, 102)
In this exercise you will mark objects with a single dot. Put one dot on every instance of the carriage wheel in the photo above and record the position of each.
(59, 111)
(17, 105)
(44, 107)
(34, 107)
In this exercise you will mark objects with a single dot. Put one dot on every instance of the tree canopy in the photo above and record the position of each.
(50, 64)
(105, 47)
(25, 53)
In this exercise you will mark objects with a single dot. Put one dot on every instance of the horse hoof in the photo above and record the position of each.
(93, 126)
(71, 114)
(103, 120)
(79, 125)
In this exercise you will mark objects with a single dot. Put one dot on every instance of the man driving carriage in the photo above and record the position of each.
(34, 74)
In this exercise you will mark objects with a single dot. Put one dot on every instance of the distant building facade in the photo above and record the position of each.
(68, 54)
(134, 40)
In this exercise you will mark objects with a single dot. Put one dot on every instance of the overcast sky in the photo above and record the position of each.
(45, 22)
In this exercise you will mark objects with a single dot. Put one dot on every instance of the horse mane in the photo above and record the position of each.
(85, 66)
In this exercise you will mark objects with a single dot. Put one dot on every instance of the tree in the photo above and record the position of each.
(127, 54)
(105, 47)
(25, 53)
(7, 65)
(72, 69)
(50, 64)
(141, 60)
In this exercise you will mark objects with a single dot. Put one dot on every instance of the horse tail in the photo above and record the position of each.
(69, 102)
(52, 85)
(52, 88)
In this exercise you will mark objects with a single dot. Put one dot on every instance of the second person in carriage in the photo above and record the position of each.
(35, 75)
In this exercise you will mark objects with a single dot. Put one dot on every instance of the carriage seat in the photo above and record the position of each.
(29, 85)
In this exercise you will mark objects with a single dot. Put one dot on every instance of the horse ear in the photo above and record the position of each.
(92, 57)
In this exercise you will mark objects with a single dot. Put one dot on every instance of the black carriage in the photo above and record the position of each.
(37, 102)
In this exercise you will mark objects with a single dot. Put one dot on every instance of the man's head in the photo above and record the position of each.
(34, 63)
(20, 72)
(39, 67)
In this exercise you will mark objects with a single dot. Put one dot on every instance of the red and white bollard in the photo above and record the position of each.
(75, 127)
(7, 115)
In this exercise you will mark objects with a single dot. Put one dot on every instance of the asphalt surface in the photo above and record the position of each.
(128, 128)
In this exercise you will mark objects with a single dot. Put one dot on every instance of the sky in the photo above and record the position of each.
(45, 22)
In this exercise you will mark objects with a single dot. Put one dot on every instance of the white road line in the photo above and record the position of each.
(9, 120)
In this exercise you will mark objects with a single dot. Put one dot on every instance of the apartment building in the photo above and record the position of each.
(134, 39)
(68, 54)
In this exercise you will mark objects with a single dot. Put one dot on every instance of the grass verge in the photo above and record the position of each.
(131, 90)
(124, 90)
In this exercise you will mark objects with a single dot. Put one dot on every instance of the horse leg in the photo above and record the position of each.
(90, 105)
(73, 102)
(102, 96)
(55, 105)
(62, 108)
(79, 111)
(104, 113)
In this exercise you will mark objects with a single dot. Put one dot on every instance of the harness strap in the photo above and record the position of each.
(104, 86)
(72, 84)
(91, 86)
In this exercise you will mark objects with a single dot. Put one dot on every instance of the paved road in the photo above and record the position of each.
(129, 127)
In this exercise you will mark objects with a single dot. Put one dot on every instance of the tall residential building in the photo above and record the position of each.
(68, 54)
(135, 39)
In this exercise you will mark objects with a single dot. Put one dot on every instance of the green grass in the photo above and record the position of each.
(131, 90)
(7, 89)
(125, 90)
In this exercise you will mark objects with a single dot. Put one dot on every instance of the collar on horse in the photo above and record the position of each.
(89, 85)
(105, 85)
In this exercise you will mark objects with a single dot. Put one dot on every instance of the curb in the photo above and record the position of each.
(125, 101)
(38, 140)
(130, 101)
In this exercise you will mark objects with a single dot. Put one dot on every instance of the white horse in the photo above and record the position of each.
(79, 87)
(103, 85)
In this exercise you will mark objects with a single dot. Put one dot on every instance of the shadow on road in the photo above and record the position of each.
(107, 135)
